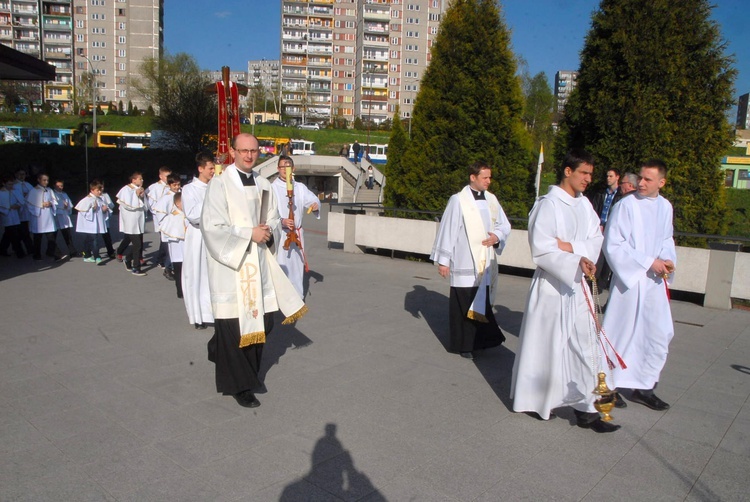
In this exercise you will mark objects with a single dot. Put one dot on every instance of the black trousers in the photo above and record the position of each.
(177, 268)
(12, 237)
(135, 252)
(107, 238)
(236, 369)
(26, 237)
(468, 334)
(51, 245)
(67, 235)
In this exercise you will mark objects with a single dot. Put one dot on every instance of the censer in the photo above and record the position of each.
(606, 401)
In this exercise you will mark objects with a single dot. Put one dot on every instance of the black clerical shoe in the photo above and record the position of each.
(467, 355)
(649, 400)
(619, 401)
(247, 399)
(598, 426)
(200, 325)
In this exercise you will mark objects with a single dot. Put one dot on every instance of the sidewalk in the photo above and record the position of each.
(106, 394)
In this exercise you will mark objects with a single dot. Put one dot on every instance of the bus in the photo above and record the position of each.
(271, 146)
(40, 136)
(303, 147)
(378, 153)
(119, 139)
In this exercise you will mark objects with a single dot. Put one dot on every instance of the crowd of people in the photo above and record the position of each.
(234, 245)
(563, 345)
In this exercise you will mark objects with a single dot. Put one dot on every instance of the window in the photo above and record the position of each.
(80, 38)
(412, 6)
(79, 24)
(122, 80)
(121, 53)
(120, 40)
(122, 67)
(121, 26)
(394, 54)
(407, 101)
(392, 95)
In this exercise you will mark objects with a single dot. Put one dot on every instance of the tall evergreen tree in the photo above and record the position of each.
(655, 82)
(539, 105)
(468, 109)
(394, 170)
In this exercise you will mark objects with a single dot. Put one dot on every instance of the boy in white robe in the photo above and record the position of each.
(557, 359)
(292, 261)
(160, 210)
(472, 234)
(91, 221)
(42, 206)
(22, 188)
(195, 289)
(64, 211)
(106, 236)
(154, 193)
(640, 249)
(131, 199)
(10, 205)
(240, 220)
(172, 227)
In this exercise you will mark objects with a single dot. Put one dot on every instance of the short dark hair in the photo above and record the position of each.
(173, 178)
(573, 160)
(203, 158)
(287, 158)
(657, 164)
(96, 184)
(476, 168)
(135, 175)
(165, 170)
(614, 170)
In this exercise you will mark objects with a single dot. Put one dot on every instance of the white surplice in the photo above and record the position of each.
(64, 209)
(195, 288)
(90, 215)
(154, 193)
(42, 219)
(557, 358)
(172, 228)
(22, 189)
(291, 260)
(10, 216)
(132, 211)
(161, 208)
(638, 321)
(245, 280)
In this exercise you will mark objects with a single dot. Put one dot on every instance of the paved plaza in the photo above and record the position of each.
(106, 394)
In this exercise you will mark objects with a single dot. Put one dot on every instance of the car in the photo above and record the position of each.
(274, 123)
(312, 126)
(244, 120)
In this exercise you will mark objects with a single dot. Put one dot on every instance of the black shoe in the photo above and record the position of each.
(200, 326)
(247, 399)
(649, 400)
(467, 355)
(598, 426)
(619, 401)
(167, 275)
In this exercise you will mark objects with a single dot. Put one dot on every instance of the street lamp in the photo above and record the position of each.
(93, 91)
(369, 109)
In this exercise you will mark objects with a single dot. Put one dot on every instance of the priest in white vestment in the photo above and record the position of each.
(42, 207)
(293, 260)
(195, 290)
(240, 220)
(639, 247)
(472, 234)
(557, 359)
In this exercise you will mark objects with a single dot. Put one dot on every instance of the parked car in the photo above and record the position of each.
(312, 126)
(244, 120)
(274, 123)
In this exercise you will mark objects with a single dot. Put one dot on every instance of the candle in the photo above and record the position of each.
(289, 178)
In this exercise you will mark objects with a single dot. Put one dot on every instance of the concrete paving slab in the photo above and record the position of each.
(106, 394)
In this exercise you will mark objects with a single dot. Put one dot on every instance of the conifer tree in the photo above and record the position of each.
(654, 82)
(468, 108)
(394, 168)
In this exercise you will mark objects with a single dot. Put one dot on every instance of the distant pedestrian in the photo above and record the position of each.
(370, 176)
(356, 149)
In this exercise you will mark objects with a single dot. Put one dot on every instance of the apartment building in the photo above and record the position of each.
(266, 74)
(565, 82)
(112, 39)
(743, 112)
(355, 58)
(42, 29)
(109, 38)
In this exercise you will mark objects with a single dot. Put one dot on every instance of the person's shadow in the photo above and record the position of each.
(281, 338)
(311, 275)
(332, 474)
(495, 364)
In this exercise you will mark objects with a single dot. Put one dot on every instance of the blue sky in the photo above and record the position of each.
(548, 34)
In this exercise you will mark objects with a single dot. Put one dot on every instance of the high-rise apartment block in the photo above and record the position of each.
(109, 38)
(112, 39)
(343, 59)
(565, 82)
(743, 112)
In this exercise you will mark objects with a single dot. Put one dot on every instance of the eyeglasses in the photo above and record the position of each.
(245, 151)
